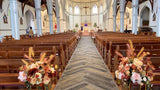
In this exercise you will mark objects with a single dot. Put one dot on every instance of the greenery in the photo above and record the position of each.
(95, 24)
(76, 25)
(74, 30)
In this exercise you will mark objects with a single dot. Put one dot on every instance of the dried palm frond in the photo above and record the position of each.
(31, 52)
(140, 51)
(131, 46)
(119, 54)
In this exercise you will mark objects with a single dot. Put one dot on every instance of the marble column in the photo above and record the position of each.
(134, 16)
(38, 17)
(57, 15)
(114, 14)
(50, 13)
(122, 5)
(14, 19)
(158, 20)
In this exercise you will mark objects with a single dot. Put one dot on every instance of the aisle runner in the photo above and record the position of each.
(86, 70)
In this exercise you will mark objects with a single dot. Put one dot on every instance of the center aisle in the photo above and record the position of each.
(86, 70)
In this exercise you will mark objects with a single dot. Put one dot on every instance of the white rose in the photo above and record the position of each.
(144, 79)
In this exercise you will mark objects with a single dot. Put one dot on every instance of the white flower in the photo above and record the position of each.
(22, 76)
(120, 75)
(46, 80)
(137, 62)
(39, 75)
(33, 81)
(144, 79)
(39, 81)
(33, 66)
(130, 64)
(52, 69)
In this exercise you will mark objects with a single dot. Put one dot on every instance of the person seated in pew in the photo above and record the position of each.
(30, 32)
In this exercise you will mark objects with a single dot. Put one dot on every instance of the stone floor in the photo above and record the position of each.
(86, 70)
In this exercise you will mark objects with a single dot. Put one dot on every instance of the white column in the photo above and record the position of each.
(50, 13)
(57, 15)
(134, 16)
(122, 5)
(14, 19)
(114, 14)
(158, 20)
(38, 17)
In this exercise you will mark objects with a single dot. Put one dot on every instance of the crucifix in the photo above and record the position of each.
(86, 9)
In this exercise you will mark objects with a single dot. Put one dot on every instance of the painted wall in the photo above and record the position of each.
(5, 29)
(152, 22)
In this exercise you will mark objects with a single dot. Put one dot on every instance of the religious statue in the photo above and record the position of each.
(154, 17)
(21, 21)
(5, 19)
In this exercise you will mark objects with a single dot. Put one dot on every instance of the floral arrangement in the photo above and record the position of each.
(37, 73)
(134, 68)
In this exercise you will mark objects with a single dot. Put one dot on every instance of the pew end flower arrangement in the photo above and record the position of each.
(134, 69)
(37, 73)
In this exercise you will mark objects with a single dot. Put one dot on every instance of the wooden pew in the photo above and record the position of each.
(61, 45)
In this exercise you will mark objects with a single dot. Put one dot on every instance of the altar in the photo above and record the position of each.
(86, 31)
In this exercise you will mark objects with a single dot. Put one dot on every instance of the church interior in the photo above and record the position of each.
(79, 44)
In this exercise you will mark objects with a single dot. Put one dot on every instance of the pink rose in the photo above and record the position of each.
(121, 75)
(22, 76)
(136, 77)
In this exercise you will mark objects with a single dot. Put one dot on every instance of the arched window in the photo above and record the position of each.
(76, 10)
(70, 9)
(95, 9)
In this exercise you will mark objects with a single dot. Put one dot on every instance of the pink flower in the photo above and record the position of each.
(136, 77)
(22, 76)
(127, 67)
(121, 75)
(46, 80)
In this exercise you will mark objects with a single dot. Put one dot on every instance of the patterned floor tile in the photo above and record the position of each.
(86, 70)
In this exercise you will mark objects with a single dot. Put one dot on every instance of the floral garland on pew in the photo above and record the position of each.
(134, 68)
(37, 73)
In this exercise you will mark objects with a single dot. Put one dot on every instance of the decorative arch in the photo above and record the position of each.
(29, 17)
(145, 16)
